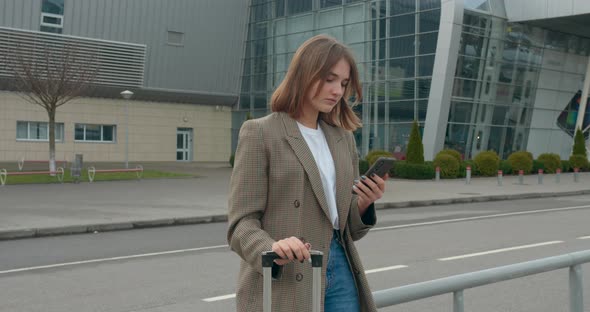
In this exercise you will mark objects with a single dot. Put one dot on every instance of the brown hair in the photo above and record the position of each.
(311, 63)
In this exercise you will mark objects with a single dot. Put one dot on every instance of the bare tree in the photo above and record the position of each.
(50, 75)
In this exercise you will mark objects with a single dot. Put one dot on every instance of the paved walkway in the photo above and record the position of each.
(55, 209)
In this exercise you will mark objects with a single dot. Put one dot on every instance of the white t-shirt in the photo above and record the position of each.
(316, 140)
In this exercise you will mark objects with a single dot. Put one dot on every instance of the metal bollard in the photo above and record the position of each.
(520, 176)
(540, 176)
(557, 175)
(500, 177)
(437, 173)
(576, 171)
(468, 175)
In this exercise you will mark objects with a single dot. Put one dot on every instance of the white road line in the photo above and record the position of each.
(213, 299)
(584, 237)
(479, 218)
(111, 259)
(499, 250)
(231, 296)
(395, 267)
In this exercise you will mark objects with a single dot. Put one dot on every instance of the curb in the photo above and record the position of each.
(142, 224)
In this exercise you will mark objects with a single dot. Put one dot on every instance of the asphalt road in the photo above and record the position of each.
(189, 268)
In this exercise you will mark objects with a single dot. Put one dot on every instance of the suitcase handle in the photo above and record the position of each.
(268, 258)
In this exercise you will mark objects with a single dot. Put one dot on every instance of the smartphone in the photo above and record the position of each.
(381, 167)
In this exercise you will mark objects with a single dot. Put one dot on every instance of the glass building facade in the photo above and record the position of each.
(498, 79)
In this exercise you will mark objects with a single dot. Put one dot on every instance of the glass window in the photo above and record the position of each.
(260, 12)
(260, 101)
(429, 4)
(52, 16)
(53, 6)
(95, 133)
(402, 46)
(428, 43)
(298, 6)
(401, 90)
(38, 131)
(401, 68)
(259, 82)
(468, 67)
(423, 88)
(460, 112)
(425, 65)
(329, 3)
(429, 21)
(401, 111)
(245, 101)
(403, 25)
(482, 5)
(402, 6)
(280, 7)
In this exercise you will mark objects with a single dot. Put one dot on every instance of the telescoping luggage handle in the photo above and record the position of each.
(268, 258)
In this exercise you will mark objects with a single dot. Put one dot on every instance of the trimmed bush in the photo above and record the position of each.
(405, 170)
(521, 161)
(463, 168)
(550, 162)
(505, 167)
(579, 161)
(449, 166)
(579, 144)
(363, 166)
(487, 163)
(372, 156)
(451, 152)
(565, 166)
(537, 165)
(415, 154)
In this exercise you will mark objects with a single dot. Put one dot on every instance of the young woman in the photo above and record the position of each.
(290, 189)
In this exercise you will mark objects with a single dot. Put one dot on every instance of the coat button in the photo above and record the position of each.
(299, 277)
(296, 203)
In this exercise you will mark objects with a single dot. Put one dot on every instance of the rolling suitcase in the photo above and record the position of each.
(268, 258)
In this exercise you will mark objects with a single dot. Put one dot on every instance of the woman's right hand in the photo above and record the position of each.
(291, 249)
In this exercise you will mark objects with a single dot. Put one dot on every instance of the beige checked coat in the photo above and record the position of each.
(276, 192)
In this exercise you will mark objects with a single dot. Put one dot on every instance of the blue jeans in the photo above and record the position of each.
(341, 294)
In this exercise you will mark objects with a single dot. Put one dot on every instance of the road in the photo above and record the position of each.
(190, 268)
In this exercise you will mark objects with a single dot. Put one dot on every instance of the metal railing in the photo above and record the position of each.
(456, 284)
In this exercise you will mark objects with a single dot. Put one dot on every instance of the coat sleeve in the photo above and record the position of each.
(248, 196)
(359, 226)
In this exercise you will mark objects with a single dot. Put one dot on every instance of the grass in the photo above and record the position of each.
(115, 176)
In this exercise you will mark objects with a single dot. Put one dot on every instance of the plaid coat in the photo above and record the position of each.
(276, 192)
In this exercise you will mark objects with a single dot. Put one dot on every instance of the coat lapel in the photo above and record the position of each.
(303, 153)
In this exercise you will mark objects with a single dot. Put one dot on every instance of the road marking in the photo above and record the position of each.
(584, 237)
(231, 296)
(395, 267)
(111, 259)
(499, 250)
(478, 218)
(213, 299)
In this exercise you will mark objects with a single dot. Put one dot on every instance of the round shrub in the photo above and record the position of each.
(521, 161)
(405, 170)
(463, 168)
(505, 167)
(579, 161)
(449, 166)
(550, 162)
(372, 156)
(565, 166)
(538, 165)
(487, 163)
(451, 152)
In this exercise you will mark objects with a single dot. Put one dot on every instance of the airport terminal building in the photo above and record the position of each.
(505, 75)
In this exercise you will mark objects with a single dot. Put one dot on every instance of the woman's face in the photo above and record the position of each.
(332, 91)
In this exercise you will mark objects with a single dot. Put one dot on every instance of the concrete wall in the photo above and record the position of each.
(152, 130)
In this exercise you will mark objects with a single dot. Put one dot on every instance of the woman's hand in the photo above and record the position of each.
(291, 249)
(369, 190)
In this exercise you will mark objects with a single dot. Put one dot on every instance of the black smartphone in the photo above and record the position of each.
(381, 167)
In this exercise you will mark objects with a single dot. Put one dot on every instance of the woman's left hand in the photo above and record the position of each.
(369, 189)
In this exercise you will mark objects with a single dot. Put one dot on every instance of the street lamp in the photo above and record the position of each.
(126, 95)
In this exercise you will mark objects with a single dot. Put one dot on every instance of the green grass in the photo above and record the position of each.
(115, 176)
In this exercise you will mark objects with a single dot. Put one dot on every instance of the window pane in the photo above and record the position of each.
(39, 131)
(402, 6)
(22, 131)
(401, 111)
(330, 3)
(107, 133)
(425, 65)
(79, 132)
(403, 46)
(92, 133)
(423, 88)
(59, 132)
(428, 43)
(53, 6)
(401, 68)
(51, 20)
(54, 30)
(280, 8)
(298, 6)
(259, 101)
(403, 25)
(429, 21)
(429, 4)
(401, 90)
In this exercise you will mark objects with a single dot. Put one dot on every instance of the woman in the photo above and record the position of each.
(291, 187)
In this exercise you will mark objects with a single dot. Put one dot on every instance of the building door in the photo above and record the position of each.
(184, 144)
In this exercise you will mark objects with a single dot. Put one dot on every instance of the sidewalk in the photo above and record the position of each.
(56, 209)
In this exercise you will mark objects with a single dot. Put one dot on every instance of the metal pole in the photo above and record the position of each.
(458, 301)
(576, 289)
(126, 134)
(521, 176)
(500, 175)
(576, 178)
(468, 175)
(540, 176)
(558, 175)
